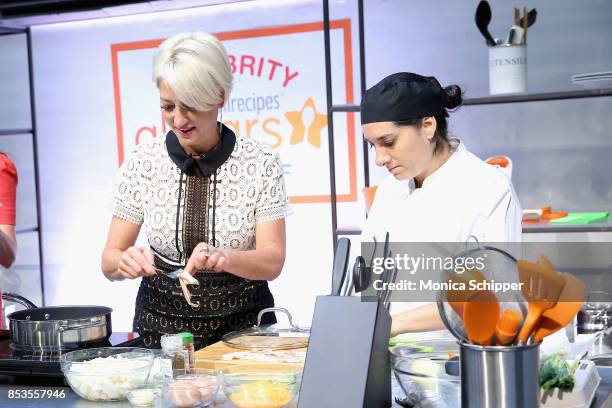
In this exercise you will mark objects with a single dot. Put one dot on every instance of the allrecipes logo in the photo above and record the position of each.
(277, 99)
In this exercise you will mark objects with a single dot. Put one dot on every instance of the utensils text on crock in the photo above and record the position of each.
(507, 328)
(483, 18)
(480, 317)
(564, 311)
(541, 288)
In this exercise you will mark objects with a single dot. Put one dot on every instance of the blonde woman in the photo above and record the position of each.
(210, 202)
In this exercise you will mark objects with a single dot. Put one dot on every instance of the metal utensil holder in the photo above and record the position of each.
(499, 377)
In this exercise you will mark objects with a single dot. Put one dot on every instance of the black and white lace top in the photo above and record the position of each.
(175, 210)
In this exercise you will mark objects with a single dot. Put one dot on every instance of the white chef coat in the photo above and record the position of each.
(464, 197)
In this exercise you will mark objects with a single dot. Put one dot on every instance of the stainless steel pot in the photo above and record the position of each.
(62, 327)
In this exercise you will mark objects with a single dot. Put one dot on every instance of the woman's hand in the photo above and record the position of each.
(135, 263)
(206, 256)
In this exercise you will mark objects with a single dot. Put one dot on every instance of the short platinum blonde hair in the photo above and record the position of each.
(196, 67)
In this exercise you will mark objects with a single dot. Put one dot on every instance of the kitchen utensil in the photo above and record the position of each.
(507, 328)
(545, 262)
(483, 18)
(387, 298)
(343, 248)
(15, 298)
(517, 16)
(64, 327)
(106, 373)
(531, 18)
(451, 320)
(362, 270)
(424, 376)
(499, 377)
(408, 401)
(596, 313)
(561, 314)
(524, 25)
(541, 288)
(348, 286)
(361, 275)
(457, 298)
(172, 274)
(582, 218)
(516, 35)
(480, 317)
(269, 336)
(452, 366)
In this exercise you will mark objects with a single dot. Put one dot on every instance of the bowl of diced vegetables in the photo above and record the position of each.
(106, 373)
(259, 386)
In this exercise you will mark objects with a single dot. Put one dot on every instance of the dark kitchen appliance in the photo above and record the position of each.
(45, 363)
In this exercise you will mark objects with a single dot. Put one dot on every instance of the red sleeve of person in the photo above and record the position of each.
(8, 187)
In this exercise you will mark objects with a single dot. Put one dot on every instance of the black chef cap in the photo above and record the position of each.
(403, 96)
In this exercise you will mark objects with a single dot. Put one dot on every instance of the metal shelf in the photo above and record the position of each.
(11, 132)
(489, 100)
(548, 96)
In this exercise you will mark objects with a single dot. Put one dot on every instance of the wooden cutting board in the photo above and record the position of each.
(212, 357)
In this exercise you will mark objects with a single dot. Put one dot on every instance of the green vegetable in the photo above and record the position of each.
(555, 372)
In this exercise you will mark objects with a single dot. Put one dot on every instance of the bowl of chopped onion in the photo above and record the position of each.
(106, 373)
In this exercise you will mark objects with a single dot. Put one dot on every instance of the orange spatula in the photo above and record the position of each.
(545, 262)
(507, 327)
(541, 288)
(457, 298)
(564, 311)
(480, 316)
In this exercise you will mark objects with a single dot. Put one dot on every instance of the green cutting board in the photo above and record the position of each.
(582, 218)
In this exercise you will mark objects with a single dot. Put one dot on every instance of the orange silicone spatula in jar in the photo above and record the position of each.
(480, 317)
(541, 288)
(560, 315)
(457, 298)
(507, 327)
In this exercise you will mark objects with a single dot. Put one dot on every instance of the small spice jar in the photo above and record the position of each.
(173, 355)
(189, 347)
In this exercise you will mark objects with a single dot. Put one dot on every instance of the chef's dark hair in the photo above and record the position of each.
(453, 101)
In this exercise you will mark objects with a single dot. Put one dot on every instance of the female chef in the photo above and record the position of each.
(437, 190)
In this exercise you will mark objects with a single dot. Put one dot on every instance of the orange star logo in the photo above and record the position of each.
(307, 119)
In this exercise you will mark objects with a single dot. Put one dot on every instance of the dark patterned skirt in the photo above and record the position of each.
(227, 303)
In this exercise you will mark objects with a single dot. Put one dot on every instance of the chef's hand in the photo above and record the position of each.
(206, 256)
(136, 262)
